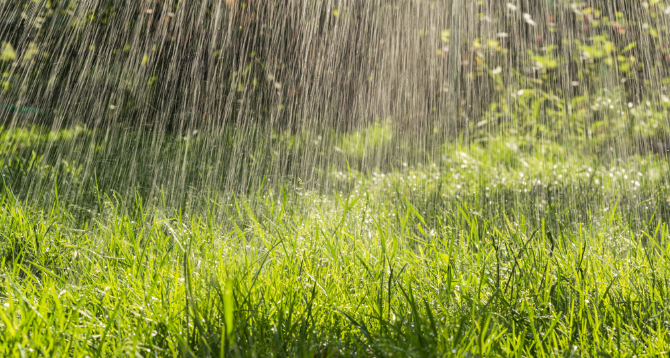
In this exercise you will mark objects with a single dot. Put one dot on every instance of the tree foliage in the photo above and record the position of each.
(541, 68)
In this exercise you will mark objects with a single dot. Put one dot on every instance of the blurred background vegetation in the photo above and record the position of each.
(283, 87)
(555, 69)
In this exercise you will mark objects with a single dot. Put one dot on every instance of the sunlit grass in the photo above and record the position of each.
(495, 250)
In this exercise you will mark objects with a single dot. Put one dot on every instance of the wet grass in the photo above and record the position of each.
(490, 251)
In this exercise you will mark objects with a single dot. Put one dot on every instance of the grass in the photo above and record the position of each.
(508, 249)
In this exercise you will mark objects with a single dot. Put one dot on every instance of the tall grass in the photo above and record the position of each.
(487, 253)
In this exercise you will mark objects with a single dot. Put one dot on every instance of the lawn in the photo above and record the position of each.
(496, 248)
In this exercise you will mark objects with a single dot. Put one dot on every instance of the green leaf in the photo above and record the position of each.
(629, 47)
(7, 53)
(545, 61)
(444, 36)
